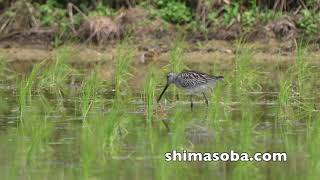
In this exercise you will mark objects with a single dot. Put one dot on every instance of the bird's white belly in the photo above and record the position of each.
(199, 89)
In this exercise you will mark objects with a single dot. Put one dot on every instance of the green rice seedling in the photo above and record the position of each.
(149, 94)
(285, 130)
(245, 77)
(245, 80)
(124, 56)
(220, 115)
(176, 141)
(25, 90)
(176, 59)
(89, 93)
(304, 78)
(217, 109)
(220, 100)
(101, 132)
(176, 55)
(284, 109)
(302, 69)
(245, 139)
(56, 76)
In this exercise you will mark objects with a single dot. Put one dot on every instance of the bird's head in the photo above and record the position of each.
(170, 80)
(171, 77)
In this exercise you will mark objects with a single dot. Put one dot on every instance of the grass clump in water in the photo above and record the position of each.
(124, 55)
(56, 76)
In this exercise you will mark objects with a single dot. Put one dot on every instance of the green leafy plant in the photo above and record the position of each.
(102, 10)
(269, 15)
(213, 18)
(231, 13)
(308, 22)
(52, 14)
(163, 3)
(249, 17)
(175, 12)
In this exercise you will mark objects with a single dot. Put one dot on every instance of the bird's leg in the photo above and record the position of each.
(205, 98)
(191, 102)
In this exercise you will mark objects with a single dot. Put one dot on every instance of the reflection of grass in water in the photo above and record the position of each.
(101, 139)
(103, 130)
(100, 129)
(176, 141)
(31, 141)
(313, 143)
(99, 142)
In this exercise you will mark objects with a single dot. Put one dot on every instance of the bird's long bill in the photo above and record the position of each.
(164, 90)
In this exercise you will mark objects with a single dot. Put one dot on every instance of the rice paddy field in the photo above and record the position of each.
(58, 121)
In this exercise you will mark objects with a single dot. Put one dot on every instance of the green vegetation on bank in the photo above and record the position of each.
(195, 16)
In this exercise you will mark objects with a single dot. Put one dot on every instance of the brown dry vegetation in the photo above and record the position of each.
(104, 30)
(283, 28)
(24, 23)
(100, 30)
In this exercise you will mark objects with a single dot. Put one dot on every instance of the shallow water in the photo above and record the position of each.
(59, 155)
(64, 131)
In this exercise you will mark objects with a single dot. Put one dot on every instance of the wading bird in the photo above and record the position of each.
(193, 82)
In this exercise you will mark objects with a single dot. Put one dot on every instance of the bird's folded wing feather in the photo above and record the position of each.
(192, 78)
